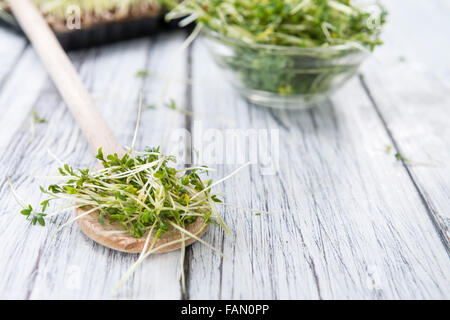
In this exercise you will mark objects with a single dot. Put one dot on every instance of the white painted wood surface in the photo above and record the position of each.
(349, 221)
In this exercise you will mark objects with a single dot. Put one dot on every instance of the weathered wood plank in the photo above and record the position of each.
(347, 222)
(413, 98)
(70, 265)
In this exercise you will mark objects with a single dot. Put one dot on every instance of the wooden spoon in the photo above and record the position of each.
(91, 123)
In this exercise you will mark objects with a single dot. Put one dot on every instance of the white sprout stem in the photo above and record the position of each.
(112, 232)
(300, 6)
(134, 171)
(147, 241)
(146, 153)
(188, 20)
(341, 7)
(137, 122)
(16, 195)
(221, 180)
(32, 129)
(182, 255)
(324, 26)
(195, 237)
(218, 217)
(75, 219)
(354, 45)
(131, 270)
(79, 200)
(174, 14)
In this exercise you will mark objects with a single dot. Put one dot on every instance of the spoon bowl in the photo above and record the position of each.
(111, 235)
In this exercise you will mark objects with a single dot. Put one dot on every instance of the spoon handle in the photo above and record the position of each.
(65, 77)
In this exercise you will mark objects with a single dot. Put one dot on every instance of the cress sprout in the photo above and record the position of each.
(141, 192)
(297, 23)
(303, 49)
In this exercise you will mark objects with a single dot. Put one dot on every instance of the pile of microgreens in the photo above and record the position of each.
(299, 23)
(139, 191)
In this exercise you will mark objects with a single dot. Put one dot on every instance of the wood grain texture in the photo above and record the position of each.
(347, 222)
(99, 136)
(427, 24)
(19, 93)
(10, 52)
(70, 265)
(408, 87)
(65, 77)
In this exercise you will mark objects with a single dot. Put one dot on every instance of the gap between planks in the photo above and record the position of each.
(428, 208)
(188, 149)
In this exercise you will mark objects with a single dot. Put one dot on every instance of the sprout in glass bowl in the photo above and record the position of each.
(280, 76)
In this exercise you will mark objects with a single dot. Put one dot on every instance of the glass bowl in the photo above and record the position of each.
(283, 77)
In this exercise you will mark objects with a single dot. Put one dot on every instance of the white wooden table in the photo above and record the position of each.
(350, 221)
